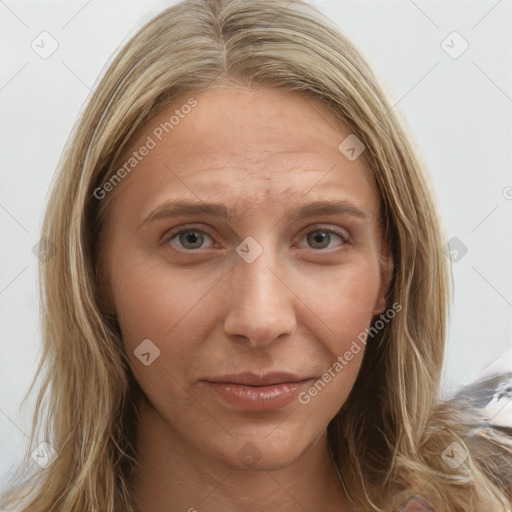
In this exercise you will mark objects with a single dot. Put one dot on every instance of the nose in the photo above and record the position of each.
(261, 302)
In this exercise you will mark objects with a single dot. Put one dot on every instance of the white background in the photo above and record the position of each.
(459, 111)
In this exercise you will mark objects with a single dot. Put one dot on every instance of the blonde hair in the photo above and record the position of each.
(392, 431)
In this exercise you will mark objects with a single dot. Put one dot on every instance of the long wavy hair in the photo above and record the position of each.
(393, 429)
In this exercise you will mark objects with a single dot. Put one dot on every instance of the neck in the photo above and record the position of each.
(173, 476)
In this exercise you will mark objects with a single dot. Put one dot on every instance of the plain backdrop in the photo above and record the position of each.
(458, 108)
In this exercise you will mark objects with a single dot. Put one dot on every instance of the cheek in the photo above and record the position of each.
(152, 299)
(345, 301)
(167, 307)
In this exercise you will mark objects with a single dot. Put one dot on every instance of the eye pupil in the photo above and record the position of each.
(193, 237)
(319, 237)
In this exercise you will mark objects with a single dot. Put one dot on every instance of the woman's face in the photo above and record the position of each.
(227, 282)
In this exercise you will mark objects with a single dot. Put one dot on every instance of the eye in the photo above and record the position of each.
(189, 239)
(193, 239)
(321, 238)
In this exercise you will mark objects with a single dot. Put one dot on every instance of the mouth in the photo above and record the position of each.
(256, 391)
(259, 379)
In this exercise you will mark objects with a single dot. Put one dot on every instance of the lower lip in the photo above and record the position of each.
(260, 398)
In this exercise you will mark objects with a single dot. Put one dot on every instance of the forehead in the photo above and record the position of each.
(254, 146)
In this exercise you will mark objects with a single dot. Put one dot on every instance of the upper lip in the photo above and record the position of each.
(258, 379)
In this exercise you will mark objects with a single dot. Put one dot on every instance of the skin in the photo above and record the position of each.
(297, 307)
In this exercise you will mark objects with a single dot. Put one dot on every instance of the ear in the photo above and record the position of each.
(386, 275)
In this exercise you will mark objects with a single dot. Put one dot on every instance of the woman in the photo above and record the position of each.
(253, 369)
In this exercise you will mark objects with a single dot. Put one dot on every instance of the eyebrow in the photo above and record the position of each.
(186, 207)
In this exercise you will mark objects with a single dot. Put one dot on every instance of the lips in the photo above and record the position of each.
(257, 392)
(258, 379)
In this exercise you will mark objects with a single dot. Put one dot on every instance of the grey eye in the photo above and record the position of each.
(322, 238)
(190, 238)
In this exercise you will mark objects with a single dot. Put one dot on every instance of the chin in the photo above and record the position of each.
(262, 452)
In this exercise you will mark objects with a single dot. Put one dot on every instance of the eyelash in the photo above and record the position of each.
(345, 238)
